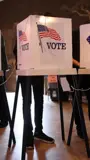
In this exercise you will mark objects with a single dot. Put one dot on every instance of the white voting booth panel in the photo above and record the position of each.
(0, 51)
(44, 43)
(85, 46)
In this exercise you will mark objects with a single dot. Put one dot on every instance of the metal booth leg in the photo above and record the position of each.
(8, 112)
(61, 108)
(82, 121)
(13, 115)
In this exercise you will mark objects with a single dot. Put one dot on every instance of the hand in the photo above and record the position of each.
(76, 63)
(12, 62)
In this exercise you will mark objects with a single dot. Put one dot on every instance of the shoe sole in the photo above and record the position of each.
(29, 148)
(44, 140)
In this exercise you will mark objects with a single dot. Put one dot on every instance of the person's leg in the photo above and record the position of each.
(38, 89)
(27, 115)
(3, 106)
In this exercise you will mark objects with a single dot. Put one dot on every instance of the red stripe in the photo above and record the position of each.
(48, 34)
(23, 37)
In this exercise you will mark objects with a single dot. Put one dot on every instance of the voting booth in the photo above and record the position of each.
(85, 46)
(44, 43)
(0, 52)
(44, 47)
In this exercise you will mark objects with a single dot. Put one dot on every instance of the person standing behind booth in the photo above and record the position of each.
(84, 83)
(37, 82)
(3, 98)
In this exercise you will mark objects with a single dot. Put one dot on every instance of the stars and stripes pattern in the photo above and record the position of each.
(48, 32)
(88, 39)
(22, 36)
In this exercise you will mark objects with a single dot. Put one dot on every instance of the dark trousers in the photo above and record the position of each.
(84, 83)
(37, 82)
(3, 103)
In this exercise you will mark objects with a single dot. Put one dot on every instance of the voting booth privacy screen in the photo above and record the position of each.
(44, 43)
(85, 46)
(0, 51)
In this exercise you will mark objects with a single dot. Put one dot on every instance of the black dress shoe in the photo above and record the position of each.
(30, 143)
(3, 124)
(43, 137)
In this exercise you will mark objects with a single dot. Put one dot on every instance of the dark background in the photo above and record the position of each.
(16, 10)
(12, 11)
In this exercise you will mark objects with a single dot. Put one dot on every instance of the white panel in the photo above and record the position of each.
(52, 51)
(0, 51)
(85, 46)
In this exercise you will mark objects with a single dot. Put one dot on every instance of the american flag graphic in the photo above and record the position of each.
(22, 36)
(88, 39)
(48, 32)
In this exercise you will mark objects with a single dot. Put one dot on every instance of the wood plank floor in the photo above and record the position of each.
(51, 122)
